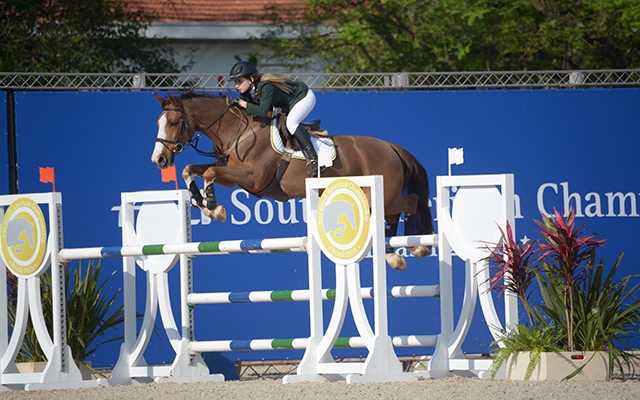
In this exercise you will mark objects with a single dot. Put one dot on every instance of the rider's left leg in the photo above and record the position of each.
(303, 139)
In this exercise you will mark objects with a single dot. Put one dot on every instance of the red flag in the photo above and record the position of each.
(169, 175)
(47, 175)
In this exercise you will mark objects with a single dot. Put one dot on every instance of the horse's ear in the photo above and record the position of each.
(172, 99)
(160, 99)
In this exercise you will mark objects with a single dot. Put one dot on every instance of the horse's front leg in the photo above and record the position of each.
(245, 176)
(207, 204)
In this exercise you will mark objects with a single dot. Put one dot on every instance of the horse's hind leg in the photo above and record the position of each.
(411, 227)
(396, 261)
(409, 205)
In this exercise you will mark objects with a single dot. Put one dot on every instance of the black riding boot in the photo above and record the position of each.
(303, 139)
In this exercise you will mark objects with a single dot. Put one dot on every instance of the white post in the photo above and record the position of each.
(25, 212)
(162, 211)
(510, 298)
(467, 224)
(382, 364)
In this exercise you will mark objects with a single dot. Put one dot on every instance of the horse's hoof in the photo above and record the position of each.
(217, 214)
(419, 251)
(220, 213)
(396, 261)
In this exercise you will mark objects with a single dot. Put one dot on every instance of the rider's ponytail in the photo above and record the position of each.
(278, 80)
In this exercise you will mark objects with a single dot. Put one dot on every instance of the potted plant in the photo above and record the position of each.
(587, 316)
(90, 314)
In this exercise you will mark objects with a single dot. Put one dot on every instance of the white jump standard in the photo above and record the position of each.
(60, 370)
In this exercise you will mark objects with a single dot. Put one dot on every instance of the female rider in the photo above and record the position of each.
(277, 90)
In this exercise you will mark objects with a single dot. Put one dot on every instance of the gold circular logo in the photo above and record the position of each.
(343, 222)
(24, 237)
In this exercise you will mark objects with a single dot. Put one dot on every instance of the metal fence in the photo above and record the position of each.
(329, 82)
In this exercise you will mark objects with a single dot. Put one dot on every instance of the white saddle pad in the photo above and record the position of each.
(324, 146)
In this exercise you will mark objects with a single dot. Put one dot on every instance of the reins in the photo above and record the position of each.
(237, 138)
(240, 134)
(178, 147)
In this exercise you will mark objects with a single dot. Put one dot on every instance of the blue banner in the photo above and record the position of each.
(577, 147)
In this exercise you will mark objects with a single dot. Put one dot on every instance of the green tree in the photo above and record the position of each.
(455, 35)
(79, 36)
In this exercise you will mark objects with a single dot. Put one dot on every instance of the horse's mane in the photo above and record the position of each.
(190, 95)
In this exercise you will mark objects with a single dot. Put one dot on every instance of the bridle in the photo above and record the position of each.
(178, 146)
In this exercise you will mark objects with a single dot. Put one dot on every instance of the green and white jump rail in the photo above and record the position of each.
(354, 342)
(271, 296)
(276, 245)
(255, 246)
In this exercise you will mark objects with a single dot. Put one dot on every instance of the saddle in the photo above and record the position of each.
(274, 189)
(312, 127)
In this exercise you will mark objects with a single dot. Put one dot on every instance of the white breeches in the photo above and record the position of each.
(300, 111)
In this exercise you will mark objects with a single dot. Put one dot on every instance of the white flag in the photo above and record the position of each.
(456, 156)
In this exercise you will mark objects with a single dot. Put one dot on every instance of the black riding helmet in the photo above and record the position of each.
(242, 68)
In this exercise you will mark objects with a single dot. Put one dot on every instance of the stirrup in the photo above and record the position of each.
(320, 168)
(310, 171)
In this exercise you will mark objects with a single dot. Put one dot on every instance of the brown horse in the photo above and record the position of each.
(245, 158)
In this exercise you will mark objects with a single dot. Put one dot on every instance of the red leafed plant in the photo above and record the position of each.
(513, 267)
(559, 260)
(566, 254)
(583, 308)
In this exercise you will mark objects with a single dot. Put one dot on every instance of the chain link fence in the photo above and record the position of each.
(329, 82)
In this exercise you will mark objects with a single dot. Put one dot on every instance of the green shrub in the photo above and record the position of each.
(90, 313)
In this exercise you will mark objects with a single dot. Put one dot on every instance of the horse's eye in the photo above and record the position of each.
(173, 124)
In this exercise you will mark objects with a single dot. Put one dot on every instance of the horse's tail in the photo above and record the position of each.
(416, 181)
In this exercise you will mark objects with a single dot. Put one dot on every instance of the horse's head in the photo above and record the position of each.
(174, 131)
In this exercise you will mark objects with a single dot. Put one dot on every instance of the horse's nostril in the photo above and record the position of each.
(162, 161)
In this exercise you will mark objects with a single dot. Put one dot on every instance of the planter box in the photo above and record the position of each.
(557, 366)
(39, 366)
(31, 367)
